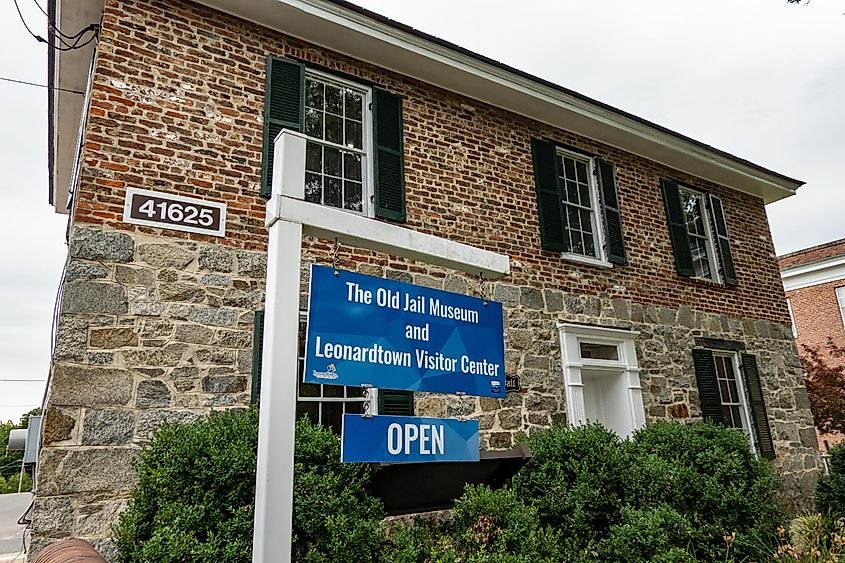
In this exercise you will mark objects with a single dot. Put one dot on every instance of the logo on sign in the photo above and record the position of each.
(330, 373)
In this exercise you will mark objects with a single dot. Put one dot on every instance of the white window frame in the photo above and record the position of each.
(571, 338)
(709, 242)
(596, 216)
(745, 410)
(840, 298)
(367, 167)
(792, 316)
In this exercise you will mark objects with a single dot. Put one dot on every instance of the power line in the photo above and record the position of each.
(40, 85)
(26, 380)
(68, 47)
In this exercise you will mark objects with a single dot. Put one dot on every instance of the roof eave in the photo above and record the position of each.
(365, 35)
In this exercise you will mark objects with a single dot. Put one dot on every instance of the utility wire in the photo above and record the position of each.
(68, 47)
(40, 85)
(27, 380)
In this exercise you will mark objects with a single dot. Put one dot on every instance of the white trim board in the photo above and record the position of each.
(814, 273)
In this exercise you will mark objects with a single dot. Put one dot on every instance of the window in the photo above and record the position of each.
(840, 297)
(578, 205)
(326, 404)
(699, 234)
(355, 150)
(337, 152)
(730, 392)
(700, 237)
(601, 377)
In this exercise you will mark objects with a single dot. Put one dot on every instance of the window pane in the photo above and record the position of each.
(313, 157)
(577, 243)
(332, 413)
(313, 123)
(571, 192)
(584, 190)
(311, 410)
(313, 188)
(314, 94)
(723, 391)
(589, 245)
(331, 161)
(309, 389)
(354, 134)
(586, 221)
(352, 196)
(334, 129)
(569, 168)
(574, 218)
(352, 166)
(354, 407)
(581, 169)
(333, 195)
(333, 391)
(354, 105)
(334, 100)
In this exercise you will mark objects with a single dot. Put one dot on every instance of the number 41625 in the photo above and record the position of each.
(178, 213)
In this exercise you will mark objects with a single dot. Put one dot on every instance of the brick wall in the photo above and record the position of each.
(812, 254)
(817, 315)
(177, 106)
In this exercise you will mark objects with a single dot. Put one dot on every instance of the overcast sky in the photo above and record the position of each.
(762, 79)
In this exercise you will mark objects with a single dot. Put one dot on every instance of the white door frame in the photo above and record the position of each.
(288, 218)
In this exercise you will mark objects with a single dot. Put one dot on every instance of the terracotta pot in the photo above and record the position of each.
(69, 551)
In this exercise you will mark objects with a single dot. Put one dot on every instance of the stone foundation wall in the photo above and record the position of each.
(156, 329)
(151, 329)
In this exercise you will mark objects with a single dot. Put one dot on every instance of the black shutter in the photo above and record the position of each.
(389, 156)
(758, 406)
(708, 385)
(614, 238)
(398, 403)
(284, 95)
(722, 240)
(553, 232)
(677, 229)
(257, 356)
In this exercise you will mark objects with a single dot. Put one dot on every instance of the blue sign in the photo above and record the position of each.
(364, 330)
(398, 439)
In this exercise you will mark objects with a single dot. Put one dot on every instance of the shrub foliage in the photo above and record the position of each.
(671, 493)
(830, 492)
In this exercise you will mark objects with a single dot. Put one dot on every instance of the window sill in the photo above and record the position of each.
(585, 260)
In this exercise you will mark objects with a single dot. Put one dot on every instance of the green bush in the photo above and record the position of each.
(672, 493)
(830, 492)
(670, 489)
(196, 486)
(194, 496)
(708, 474)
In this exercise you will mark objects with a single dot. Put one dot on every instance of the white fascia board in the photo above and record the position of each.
(815, 273)
(356, 230)
(358, 36)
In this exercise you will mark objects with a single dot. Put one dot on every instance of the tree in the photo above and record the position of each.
(826, 385)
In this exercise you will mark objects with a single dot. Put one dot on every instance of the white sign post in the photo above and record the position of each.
(288, 218)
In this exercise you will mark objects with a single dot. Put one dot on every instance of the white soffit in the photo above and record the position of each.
(70, 73)
(362, 37)
(814, 273)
